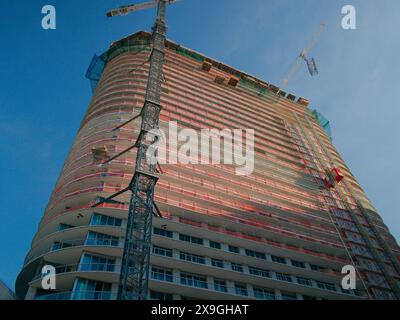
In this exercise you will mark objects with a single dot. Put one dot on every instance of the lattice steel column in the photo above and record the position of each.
(133, 284)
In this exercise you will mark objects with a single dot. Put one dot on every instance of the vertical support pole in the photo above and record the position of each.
(135, 270)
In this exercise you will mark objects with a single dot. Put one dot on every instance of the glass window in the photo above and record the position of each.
(101, 239)
(278, 259)
(316, 268)
(60, 245)
(161, 274)
(188, 298)
(304, 281)
(64, 226)
(340, 213)
(356, 237)
(195, 240)
(160, 251)
(361, 250)
(156, 295)
(376, 279)
(264, 294)
(321, 285)
(283, 277)
(237, 267)
(98, 219)
(217, 263)
(220, 285)
(215, 245)
(345, 290)
(369, 264)
(184, 237)
(162, 232)
(91, 290)
(255, 254)
(357, 292)
(289, 296)
(326, 286)
(90, 262)
(259, 272)
(192, 257)
(241, 289)
(234, 249)
(298, 264)
(193, 280)
(347, 225)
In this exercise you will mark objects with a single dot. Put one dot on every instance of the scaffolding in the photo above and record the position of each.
(98, 63)
(302, 137)
(323, 122)
(95, 71)
(343, 190)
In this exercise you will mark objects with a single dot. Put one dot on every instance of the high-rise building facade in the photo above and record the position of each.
(283, 231)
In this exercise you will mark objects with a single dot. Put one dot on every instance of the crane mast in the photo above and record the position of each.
(135, 267)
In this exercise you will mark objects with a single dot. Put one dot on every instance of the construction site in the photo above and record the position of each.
(118, 227)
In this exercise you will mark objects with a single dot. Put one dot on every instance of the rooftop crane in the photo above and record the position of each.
(135, 268)
(125, 10)
(303, 56)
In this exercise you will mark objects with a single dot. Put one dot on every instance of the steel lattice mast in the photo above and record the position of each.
(135, 268)
(133, 283)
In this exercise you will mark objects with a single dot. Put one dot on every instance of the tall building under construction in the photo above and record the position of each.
(283, 232)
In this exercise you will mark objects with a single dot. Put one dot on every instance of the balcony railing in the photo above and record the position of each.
(80, 295)
(72, 243)
(83, 267)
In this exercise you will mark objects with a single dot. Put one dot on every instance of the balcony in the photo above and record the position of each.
(80, 295)
(83, 267)
(75, 244)
(66, 275)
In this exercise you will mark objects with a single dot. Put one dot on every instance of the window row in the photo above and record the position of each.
(237, 250)
(219, 285)
(259, 272)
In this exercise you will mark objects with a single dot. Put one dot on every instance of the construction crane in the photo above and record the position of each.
(125, 10)
(303, 56)
(135, 268)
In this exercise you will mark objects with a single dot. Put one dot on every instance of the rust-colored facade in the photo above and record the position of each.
(281, 232)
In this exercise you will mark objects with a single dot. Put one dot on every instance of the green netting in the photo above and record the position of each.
(190, 54)
(126, 46)
(259, 90)
(324, 123)
(98, 63)
(249, 85)
(95, 70)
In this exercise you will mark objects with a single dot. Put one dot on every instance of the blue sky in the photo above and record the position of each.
(43, 92)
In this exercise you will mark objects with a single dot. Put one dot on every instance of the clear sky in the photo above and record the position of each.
(43, 92)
